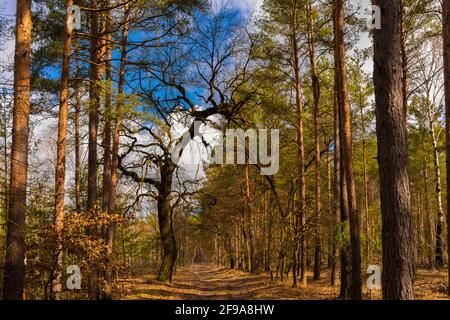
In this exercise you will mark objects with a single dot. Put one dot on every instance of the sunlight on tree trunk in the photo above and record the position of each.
(13, 278)
(60, 170)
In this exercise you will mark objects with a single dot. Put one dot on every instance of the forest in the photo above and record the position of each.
(224, 149)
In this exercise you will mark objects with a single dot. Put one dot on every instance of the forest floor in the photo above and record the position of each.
(208, 282)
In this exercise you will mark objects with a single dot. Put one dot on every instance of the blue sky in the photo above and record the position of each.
(247, 8)
(8, 8)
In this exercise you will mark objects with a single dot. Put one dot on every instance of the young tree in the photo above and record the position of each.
(360, 91)
(413, 15)
(429, 69)
(15, 246)
(392, 157)
(60, 170)
(95, 77)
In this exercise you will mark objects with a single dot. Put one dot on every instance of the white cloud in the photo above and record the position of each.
(246, 7)
(7, 11)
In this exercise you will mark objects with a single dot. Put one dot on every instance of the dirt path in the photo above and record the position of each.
(207, 282)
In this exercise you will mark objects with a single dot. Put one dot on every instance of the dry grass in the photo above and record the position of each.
(206, 282)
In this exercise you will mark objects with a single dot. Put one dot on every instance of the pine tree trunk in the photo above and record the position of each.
(336, 188)
(366, 181)
(330, 212)
(77, 133)
(60, 169)
(300, 214)
(15, 246)
(94, 96)
(245, 240)
(106, 187)
(316, 98)
(236, 245)
(115, 143)
(398, 269)
(404, 64)
(96, 70)
(355, 285)
(446, 46)
(5, 164)
(344, 218)
(249, 224)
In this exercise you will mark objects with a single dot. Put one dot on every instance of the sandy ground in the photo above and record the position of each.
(207, 282)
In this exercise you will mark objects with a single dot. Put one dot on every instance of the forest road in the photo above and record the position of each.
(210, 282)
(201, 282)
